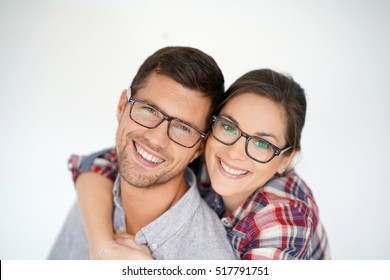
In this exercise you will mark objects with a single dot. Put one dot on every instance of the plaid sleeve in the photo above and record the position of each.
(103, 162)
(280, 231)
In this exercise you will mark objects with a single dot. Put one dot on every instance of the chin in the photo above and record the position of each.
(223, 189)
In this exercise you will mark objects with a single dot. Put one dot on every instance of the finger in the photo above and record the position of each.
(126, 241)
(131, 244)
(124, 235)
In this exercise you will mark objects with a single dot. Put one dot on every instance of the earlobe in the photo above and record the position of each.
(121, 105)
(286, 162)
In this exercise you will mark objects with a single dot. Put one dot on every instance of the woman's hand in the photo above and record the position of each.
(125, 248)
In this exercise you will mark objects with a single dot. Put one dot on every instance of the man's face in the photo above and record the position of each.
(147, 157)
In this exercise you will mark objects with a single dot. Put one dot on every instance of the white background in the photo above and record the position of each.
(64, 63)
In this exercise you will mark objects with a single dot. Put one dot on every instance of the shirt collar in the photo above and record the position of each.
(165, 226)
(215, 201)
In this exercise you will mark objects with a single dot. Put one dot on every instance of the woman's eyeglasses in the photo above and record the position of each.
(256, 148)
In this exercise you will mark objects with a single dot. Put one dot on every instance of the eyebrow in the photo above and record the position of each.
(259, 134)
(151, 103)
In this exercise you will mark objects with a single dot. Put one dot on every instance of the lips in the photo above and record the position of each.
(233, 171)
(147, 155)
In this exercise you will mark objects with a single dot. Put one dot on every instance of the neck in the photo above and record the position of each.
(142, 206)
(232, 203)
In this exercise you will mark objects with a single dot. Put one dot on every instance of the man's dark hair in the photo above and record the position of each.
(190, 67)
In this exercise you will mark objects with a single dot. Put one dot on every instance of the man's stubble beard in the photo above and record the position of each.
(135, 175)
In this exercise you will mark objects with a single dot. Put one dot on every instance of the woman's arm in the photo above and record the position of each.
(94, 193)
(94, 176)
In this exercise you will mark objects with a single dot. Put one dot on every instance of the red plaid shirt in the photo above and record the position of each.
(103, 162)
(278, 221)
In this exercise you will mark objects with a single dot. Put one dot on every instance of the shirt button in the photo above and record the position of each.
(225, 222)
(154, 246)
(121, 229)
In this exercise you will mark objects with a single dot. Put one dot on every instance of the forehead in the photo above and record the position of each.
(175, 100)
(256, 114)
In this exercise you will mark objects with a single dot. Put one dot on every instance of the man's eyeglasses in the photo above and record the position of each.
(179, 131)
(256, 148)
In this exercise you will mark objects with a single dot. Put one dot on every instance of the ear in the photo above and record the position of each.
(121, 105)
(286, 162)
(199, 151)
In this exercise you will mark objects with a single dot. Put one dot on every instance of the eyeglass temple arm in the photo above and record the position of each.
(285, 150)
(128, 93)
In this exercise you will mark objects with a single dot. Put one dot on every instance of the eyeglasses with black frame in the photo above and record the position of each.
(256, 148)
(180, 132)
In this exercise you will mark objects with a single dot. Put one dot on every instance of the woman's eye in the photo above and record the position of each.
(262, 144)
(229, 128)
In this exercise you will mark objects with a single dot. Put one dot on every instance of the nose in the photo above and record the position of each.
(158, 135)
(237, 150)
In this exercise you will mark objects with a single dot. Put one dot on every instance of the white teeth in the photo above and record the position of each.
(147, 156)
(231, 170)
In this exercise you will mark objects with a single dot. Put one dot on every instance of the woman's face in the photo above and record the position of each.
(233, 174)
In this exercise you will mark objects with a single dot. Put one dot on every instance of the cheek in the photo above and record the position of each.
(119, 136)
(123, 136)
(182, 158)
(263, 173)
(211, 146)
(209, 152)
(207, 149)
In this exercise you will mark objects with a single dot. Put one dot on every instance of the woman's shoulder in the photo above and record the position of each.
(289, 188)
(283, 208)
(287, 193)
(284, 200)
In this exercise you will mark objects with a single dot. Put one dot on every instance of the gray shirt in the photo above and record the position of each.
(188, 230)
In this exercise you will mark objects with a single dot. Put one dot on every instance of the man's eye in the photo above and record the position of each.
(149, 110)
(181, 130)
(185, 129)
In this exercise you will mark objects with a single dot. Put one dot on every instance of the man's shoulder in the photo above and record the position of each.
(203, 236)
(207, 223)
(205, 210)
(200, 234)
(71, 243)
